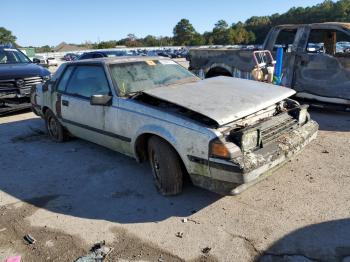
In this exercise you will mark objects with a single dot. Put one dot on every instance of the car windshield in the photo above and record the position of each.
(138, 76)
(12, 56)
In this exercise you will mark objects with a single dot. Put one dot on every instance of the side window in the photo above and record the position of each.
(342, 44)
(64, 79)
(285, 39)
(87, 81)
(331, 42)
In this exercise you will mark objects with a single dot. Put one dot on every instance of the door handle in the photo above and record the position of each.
(65, 103)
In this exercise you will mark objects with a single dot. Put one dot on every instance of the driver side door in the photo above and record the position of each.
(80, 117)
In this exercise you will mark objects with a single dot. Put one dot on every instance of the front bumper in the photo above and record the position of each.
(15, 92)
(234, 176)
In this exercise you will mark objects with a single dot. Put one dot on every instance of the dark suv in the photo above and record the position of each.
(17, 76)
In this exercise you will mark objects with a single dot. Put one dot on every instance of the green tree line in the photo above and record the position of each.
(255, 29)
(327, 11)
(252, 31)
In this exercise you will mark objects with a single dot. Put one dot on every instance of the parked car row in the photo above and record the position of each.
(170, 53)
(16, 81)
(45, 61)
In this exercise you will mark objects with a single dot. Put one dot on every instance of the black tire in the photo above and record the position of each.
(54, 127)
(166, 167)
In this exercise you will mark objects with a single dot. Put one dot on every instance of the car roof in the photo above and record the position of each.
(119, 59)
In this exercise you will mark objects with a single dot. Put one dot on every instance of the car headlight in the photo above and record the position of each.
(48, 77)
(303, 115)
(250, 140)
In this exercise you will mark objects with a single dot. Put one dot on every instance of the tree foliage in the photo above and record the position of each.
(44, 49)
(221, 33)
(327, 11)
(185, 34)
(132, 41)
(252, 31)
(6, 36)
(105, 44)
(255, 29)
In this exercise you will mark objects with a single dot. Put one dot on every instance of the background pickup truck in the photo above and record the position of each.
(316, 61)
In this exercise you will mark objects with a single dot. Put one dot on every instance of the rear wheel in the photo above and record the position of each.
(166, 166)
(54, 127)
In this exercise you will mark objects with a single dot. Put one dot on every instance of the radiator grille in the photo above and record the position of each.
(10, 83)
(271, 132)
(27, 82)
(32, 81)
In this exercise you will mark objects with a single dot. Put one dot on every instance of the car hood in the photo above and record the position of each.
(8, 71)
(223, 99)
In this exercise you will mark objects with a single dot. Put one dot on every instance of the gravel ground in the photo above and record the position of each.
(69, 196)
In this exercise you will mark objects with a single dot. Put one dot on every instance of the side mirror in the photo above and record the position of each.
(36, 61)
(101, 100)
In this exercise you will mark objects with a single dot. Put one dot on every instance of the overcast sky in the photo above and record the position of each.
(40, 22)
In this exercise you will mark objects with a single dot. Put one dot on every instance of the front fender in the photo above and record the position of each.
(155, 130)
(186, 143)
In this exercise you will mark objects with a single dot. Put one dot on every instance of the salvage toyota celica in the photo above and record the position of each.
(225, 133)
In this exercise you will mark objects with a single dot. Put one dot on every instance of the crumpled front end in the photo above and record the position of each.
(279, 139)
(257, 165)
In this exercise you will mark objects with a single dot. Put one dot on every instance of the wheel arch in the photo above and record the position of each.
(44, 109)
(141, 145)
(218, 69)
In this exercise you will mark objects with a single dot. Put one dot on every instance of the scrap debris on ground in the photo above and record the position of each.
(97, 253)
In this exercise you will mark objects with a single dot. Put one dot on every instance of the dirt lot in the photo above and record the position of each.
(69, 196)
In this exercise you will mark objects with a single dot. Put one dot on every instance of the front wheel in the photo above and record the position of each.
(54, 127)
(166, 166)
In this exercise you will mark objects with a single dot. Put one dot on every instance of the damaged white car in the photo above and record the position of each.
(225, 133)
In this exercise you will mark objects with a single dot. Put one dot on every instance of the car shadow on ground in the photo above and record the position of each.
(331, 120)
(328, 241)
(85, 180)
